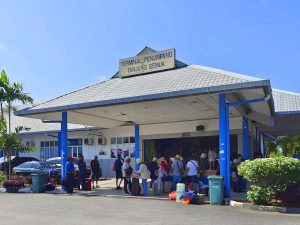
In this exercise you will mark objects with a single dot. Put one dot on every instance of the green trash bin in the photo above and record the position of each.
(216, 189)
(38, 182)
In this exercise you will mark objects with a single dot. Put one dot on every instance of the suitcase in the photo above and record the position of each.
(87, 184)
(168, 187)
(156, 192)
(135, 187)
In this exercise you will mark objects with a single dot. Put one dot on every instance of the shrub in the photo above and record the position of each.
(269, 176)
(12, 184)
(2, 176)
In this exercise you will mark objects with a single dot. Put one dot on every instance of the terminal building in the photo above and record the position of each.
(156, 105)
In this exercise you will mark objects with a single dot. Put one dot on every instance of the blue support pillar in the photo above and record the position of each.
(223, 141)
(64, 143)
(1, 154)
(59, 144)
(263, 147)
(245, 138)
(137, 142)
(228, 153)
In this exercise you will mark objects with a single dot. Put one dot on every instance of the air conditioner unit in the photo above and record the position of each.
(101, 141)
(200, 128)
(89, 141)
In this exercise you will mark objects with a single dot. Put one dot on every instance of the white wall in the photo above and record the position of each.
(151, 131)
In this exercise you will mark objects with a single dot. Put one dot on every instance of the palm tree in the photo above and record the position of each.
(10, 93)
(3, 84)
(10, 141)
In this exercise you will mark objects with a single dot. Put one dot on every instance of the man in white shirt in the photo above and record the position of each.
(192, 170)
(144, 174)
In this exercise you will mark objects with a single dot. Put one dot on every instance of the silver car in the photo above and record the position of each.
(28, 168)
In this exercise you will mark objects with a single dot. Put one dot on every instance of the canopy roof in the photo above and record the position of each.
(184, 93)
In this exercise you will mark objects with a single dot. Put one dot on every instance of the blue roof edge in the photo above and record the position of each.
(166, 95)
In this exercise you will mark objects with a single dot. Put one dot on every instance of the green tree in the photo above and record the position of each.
(10, 93)
(12, 141)
(284, 145)
(3, 84)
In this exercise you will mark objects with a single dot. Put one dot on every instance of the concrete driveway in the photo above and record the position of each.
(40, 209)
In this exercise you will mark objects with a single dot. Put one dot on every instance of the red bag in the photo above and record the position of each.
(172, 195)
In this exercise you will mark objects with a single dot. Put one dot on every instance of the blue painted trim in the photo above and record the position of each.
(223, 140)
(59, 143)
(164, 95)
(247, 102)
(263, 147)
(245, 138)
(64, 144)
(137, 143)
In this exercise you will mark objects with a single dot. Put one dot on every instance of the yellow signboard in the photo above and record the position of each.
(147, 63)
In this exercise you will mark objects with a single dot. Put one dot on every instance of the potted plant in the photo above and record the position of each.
(12, 186)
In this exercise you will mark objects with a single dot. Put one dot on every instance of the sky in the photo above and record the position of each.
(54, 47)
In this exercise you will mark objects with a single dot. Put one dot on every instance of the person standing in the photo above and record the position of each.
(118, 170)
(162, 174)
(70, 172)
(96, 171)
(143, 173)
(211, 159)
(192, 171)
(81, 171)
(127, 171)
(177, 171)
(153, 169)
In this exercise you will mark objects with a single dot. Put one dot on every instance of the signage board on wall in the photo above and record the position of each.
(148, 63)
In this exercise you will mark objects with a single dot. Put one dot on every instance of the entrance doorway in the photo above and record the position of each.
(184, 146)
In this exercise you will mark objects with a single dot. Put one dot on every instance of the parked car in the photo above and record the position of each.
(27, 168)
(15, 161)
(56, 163)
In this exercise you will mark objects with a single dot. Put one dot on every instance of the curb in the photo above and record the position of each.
(264, 208)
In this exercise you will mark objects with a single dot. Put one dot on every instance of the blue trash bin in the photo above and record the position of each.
(38, 182)
(216, 190)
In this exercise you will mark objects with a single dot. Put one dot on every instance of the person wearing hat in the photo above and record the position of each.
(153, 168)
(70, 172)
(96, 171)
(143, 173)
(177, 171)
(127, 171)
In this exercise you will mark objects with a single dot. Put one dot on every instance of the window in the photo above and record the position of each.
(125, 140)
(74, 151)
(123, 146)
(48, 149)
(113, 141)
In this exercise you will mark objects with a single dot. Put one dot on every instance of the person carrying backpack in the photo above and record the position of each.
(118, 170)
(127, 171)
(153, 169)
(96, 170)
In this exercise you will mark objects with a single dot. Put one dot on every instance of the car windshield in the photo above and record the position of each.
(25, 165)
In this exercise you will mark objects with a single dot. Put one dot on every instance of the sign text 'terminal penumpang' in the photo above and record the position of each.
(148, 63)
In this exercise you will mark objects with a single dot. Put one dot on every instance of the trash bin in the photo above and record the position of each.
(38, 182)
(216, 189)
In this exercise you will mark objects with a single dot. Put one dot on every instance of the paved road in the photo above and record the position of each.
(40, 209)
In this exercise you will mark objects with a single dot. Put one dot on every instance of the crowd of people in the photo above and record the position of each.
(164, 174)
